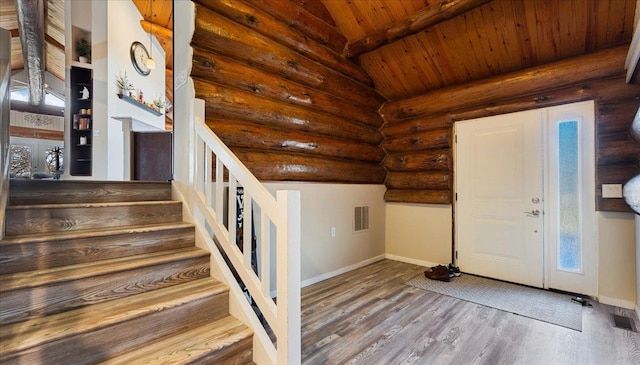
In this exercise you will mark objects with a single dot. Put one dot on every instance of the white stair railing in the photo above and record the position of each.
(217, 175)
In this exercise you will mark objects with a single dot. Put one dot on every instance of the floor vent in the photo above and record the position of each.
(626, 323)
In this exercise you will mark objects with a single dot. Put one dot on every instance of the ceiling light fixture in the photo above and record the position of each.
(151, 64)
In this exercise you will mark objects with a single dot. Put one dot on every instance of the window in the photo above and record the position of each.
(569, 207)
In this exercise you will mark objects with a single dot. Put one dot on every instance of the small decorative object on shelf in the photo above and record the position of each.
(83, 47)
(84, 93)
(124, 85)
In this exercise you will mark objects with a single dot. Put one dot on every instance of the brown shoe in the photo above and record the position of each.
(439, 272)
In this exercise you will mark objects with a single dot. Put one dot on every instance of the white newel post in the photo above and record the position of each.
(288, 279)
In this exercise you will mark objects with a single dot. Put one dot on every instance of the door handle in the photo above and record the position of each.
(533, 213)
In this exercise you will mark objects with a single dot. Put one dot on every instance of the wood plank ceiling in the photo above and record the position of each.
(54, 35)
(162, 18)
(497, 37)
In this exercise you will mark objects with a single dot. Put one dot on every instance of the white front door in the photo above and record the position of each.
(525, 204)
(499, 206)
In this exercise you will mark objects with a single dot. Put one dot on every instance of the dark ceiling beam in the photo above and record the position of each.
(49, 39)
(14, 32)
(31, 25)
(423, 19)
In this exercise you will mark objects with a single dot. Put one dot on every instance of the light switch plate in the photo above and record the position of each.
(612, 190)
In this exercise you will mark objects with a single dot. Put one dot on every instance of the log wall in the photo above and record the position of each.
(281, 96)
(418, 132)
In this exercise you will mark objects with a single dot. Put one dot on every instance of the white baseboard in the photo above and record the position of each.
(342, 270)
(617, 302)
(411, 261)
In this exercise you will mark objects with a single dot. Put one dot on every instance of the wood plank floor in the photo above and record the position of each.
(368, 316)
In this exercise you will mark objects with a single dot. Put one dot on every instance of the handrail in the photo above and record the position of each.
(217, 169)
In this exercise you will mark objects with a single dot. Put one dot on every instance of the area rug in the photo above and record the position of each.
(534, 303)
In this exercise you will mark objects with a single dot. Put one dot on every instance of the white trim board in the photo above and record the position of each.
(342, 270)
(411, 261)
(617, 302)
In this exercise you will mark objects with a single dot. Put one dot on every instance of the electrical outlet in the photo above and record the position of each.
(612, 190)
(333, 232)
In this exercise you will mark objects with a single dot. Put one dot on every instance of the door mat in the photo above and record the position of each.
(534, 303)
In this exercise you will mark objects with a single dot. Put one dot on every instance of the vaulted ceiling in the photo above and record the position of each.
(54, 35)
(486, 38)
(496, 37)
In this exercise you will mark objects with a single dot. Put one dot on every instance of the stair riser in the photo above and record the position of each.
(111, 341)
(22, 304)
(69, 192)
(241, 353)
(43, 255)
(54, 219)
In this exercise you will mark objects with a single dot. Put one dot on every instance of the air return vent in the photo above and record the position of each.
(361, 218)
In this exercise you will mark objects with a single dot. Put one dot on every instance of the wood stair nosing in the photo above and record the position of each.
(45, 192)
(39, 219)
(225, 341)
(98, 332)
(33, 294)
(28, 253)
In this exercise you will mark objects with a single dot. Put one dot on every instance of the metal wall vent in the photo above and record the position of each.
(624, 322)
(361, 218)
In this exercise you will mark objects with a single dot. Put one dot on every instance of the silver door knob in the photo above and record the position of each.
(533, 213)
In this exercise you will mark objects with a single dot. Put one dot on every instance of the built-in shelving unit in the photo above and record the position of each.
(81, 108)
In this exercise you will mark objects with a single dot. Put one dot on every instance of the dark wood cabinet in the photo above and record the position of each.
(152, 153)
(81, 108)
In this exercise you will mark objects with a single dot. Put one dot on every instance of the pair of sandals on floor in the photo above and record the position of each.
(442, 273)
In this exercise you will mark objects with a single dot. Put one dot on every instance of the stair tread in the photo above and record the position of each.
(90, 205)
(188, 346)
(30, 279)
(100, 232)
(19, 336)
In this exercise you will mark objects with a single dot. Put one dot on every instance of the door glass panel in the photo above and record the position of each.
(53, 158)
(569, 245)
(20, 161)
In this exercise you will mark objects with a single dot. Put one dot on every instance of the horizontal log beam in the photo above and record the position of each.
(270, 27)
(298, 18)
(24, 132)
(615, 117)
(225, 71)
(430, 160)
(438, 138)
(418, 196)
(416, 125)
(239, 105)
(218, 34)
(280, 166)
(415, 23)
(440, 180)
(605, 63)
(259, 137)
(617, 149)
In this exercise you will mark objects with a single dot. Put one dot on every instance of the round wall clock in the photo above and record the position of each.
(139, 57)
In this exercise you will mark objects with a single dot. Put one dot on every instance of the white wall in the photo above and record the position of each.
(123, 29)
(419, 233)
(617, 262)
(331, 205)
(114, 25)
(637, 220)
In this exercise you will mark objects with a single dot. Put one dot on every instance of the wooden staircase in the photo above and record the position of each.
(107, 272)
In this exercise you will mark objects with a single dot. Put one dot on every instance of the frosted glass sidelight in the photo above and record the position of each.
(569, 245)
